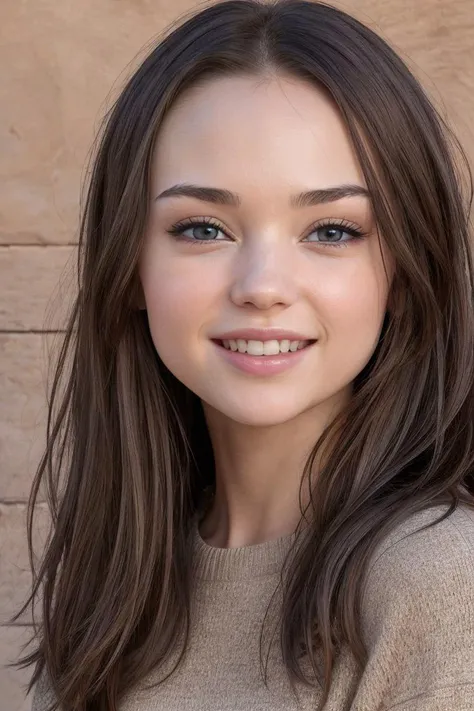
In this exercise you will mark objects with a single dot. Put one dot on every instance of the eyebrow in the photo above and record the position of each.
(226, 197)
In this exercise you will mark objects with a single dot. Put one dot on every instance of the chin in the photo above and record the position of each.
(259, 416)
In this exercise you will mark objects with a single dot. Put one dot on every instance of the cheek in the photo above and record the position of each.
(178, 303)
(352, 311)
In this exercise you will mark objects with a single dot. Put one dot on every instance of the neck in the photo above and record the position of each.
(258, 476)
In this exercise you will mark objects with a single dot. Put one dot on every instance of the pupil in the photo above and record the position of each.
(206, 230)
(331, 231)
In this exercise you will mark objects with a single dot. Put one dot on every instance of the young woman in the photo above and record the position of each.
(261, 468)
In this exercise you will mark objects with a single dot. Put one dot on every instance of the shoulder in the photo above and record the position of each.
(417, 611)
(436, 563)
(423, 549)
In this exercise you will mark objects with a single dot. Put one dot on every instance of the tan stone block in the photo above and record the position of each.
(14, 681)
(23, 411)
(53, 93)
(15, 573)
(37, 287)
(41, 166)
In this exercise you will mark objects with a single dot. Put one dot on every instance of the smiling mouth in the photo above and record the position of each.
(263, 348)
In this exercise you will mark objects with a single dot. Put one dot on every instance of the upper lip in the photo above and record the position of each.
(262, 334)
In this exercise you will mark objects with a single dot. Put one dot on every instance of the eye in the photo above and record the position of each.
(332, 233)
(201, 230)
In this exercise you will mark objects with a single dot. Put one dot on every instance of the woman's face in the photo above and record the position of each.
(293, 270)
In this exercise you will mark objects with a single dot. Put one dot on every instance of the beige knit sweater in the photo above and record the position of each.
(417, 620)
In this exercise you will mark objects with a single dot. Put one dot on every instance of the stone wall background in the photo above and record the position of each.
(60, 64)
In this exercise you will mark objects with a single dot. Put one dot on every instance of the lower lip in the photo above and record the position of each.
(263, 365)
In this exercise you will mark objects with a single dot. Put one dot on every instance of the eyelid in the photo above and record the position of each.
(179, 227)
(335, 222)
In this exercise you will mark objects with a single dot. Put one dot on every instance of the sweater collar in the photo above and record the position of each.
(243, 563)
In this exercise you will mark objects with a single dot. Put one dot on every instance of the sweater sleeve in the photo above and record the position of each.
(418, 621)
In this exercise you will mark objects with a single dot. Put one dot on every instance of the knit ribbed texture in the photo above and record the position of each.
(246, 563)
(417, 620)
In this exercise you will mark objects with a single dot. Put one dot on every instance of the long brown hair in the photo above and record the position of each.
(128, 454)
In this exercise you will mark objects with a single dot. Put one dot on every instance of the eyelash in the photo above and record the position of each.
(178, 228)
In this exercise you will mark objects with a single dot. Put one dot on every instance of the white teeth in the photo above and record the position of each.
(271, 348)
(255, 347)
(258, 348)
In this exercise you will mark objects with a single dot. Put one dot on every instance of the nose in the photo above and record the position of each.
(264, 277)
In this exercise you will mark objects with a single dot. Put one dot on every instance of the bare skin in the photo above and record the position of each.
(266, 264)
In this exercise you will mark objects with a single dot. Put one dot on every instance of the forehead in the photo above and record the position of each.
(254, 132)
